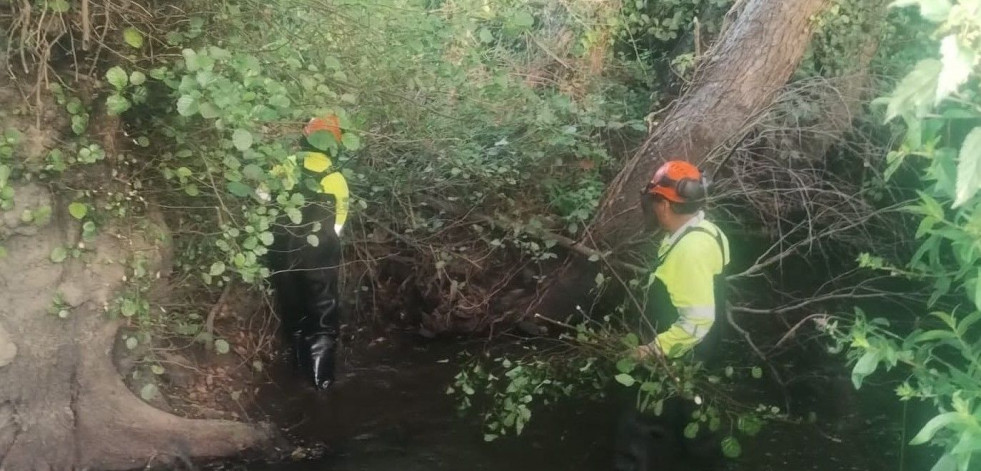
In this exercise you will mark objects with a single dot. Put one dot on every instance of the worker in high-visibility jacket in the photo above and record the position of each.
(687, 295)
(686, 310)
(306, 274)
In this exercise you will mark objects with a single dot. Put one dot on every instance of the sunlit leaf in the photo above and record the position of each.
(116, 104)
(933, 10)
(242, 139)
(933, 426)
(625, 379)
(916, 92)
(78, 210)
(117, 77)
(969, 167)
(133, 37)
(957, 63)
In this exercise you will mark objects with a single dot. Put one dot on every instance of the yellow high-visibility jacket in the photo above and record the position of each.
(689, 268)
(333, 183)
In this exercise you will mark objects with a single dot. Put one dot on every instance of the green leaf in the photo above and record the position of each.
(933, 10)
(187, 105)
(749, 425)
(157, 369)
(957, 63)
(731, 447)
(137, 78)
(969, 167)
(208, 111)
(523, 19)
(945, 463)
(691, 431)
(933, 426)
(134, 38)
(242, 139)
(217, 268)
(625, 379)
(131, 343)
(116, 104)
(59, 254)
(117, 77)
(626, 365)
(128, 309)
(59, 6)
(239, 189)
(266, 238)
(757, 372)
(351, 141)
(295, 215)
(916, 92)
(864, 367)
(78, 210)
(221, 346)
(313, 240)
(485, 35)
(149, 392)
(322, 140)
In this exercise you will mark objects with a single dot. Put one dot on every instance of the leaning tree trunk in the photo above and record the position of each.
(740, 77)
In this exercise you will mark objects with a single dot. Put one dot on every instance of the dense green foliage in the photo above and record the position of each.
(938, 103)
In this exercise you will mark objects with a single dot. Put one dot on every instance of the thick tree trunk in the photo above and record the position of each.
(63, 404)
(740, 77)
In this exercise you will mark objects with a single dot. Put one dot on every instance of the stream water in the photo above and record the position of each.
(390, 412)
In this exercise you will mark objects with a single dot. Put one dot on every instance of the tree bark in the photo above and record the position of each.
(63, 404)
(740, 77)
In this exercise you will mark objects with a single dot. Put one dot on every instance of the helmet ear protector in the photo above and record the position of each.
(689, 189)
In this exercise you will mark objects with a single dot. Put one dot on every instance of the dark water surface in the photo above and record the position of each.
(390, 412)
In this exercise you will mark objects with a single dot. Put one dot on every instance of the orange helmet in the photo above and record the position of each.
(329, 123)
(677, 181)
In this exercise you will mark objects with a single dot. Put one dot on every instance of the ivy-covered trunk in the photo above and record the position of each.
(738, 78)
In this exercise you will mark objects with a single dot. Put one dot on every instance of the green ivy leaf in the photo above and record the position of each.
(757, 372)
(134, 38)
(313, 240)
(78, 210)
(626, 365)
(731, 447)
(295, 215)
(625, 379)
(221, 346)
(117, 77)
(59, 254)
(749, 425)
(242, 139)
(116, 104)
(969, 167)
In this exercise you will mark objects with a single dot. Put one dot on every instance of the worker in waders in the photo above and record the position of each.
(306, 273)
(686, 311)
